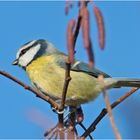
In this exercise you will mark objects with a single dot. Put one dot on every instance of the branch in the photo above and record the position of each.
(47, 98)
(42, 96)
(112, 121)
(79, 20)
(117, 102)
(100, 25)
(66, 84)
(62, 105)
(92, 127)
(85, 129)
(77, 29)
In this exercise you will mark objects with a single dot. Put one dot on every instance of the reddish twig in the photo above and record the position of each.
(77, 29)
(50, 131)
(86, 34)
(66, 84)
(72, 36)
(68, 6)
(85, 27)
(70, 41)
(134, 89)
(83, 19)
(100, 25)
(42, 96)
(53, 134)
(56, 135)
(61, 108)
(117, 134)
(90, 55)
(79, 19)
(92, 127)
(47, 133)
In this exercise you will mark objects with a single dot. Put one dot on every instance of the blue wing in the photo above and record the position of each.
(79, 66)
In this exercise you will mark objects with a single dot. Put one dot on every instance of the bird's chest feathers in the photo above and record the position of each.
(44, 67)
(46, 74)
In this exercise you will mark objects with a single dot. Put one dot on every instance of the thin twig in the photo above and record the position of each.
(92, 127)
(78, 24)
(100, 24)
(51, 130)
(134, 89)
(77, 29)
(56, 135)
(70, 47)
(55, 127)
(38, 94)
(70, 41)
(85, 129)
(72, 121)
(86, 34)
(62, 105)
(61, 126)
(52, 134)
(112, 121)
(66, 84)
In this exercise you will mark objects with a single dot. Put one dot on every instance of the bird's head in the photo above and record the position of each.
(32, 50)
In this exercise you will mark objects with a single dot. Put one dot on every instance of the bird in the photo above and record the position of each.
(45, 66)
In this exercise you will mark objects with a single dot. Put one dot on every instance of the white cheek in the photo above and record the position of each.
(28, 56)
(24, 47)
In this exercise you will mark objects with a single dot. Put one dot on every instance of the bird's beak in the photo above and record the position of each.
(15, 62)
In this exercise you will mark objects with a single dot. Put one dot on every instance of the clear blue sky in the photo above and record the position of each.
(21, 22)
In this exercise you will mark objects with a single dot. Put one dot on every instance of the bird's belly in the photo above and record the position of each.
(49, 79)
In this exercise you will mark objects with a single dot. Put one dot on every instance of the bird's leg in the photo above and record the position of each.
(75, 114)
(79, 114)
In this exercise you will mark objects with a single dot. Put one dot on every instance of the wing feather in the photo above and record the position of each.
(80, 66)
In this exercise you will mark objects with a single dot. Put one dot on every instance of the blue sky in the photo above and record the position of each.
(25, 21)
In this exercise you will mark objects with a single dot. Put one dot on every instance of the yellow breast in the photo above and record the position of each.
(48, 76)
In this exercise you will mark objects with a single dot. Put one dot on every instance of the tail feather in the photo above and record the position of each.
(122, 82)
(128, 82)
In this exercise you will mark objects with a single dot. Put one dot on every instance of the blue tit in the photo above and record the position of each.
(45, 66)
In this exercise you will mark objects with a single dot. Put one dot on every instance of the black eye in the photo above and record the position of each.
(23, 52)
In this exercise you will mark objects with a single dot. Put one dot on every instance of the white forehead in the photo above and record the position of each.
(25, 47)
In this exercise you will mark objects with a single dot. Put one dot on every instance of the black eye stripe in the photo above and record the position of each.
(23, 51)
(26, 49)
